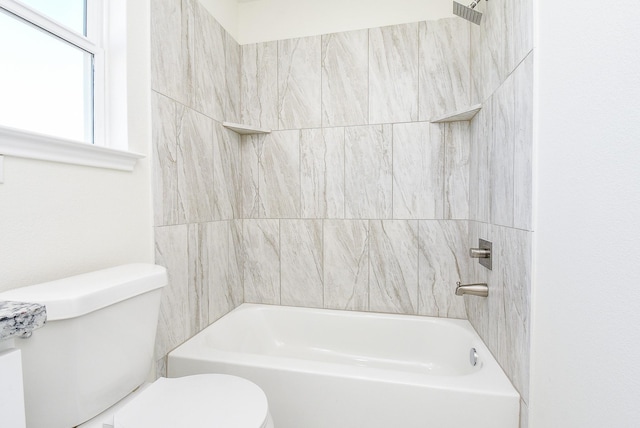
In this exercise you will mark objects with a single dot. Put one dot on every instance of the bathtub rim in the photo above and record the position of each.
(489, 379)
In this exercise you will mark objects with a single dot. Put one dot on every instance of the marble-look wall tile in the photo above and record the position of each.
(487, 315)
(232, 76)
(346, 264)
(301, 263)
(174, 324)
(443, 260)
(161, 367)
(418, 164)
(477, 59)
(368, 172)
(299, 83)
(195, 165)
(456, 171)
(219, 275)
(393, 284)
(209, 65)
(393, 74)
(492, 48)
(279, 185)
(502, 319)
(236, 261)
(478, 308)
(345, 67)
(197, 249)
(496, 301)
(501, 152)
(226, 169)
(491, 310)
(251, 147)
(500, 180)
(259, 85)
(515, 274)
(166, 210)
(501, 36)
(523, 152)
(522, 28)
(261, 270)
(480, 134)
(172, 47)
(445, 80)
(524, 415)
(322, 173)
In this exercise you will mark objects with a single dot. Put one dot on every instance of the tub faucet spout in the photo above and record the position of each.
(480, 289)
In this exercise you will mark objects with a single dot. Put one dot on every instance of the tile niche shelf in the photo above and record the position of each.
(459, 116)
(245, 129)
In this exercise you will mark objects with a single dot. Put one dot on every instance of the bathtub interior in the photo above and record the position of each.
(324, 368)
(426, 345)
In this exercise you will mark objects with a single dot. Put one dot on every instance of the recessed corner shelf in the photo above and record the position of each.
(459, 116)
(245, 129)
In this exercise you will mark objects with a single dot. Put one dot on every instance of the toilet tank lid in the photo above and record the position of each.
(81, 294)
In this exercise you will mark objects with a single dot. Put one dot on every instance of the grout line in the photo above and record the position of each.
(419, 62)
(392, 169)
(368, 241)
(321, 79)
(280, 258)
(368, 76)
(344, 173)
(277, 85)
(418, 302)
(322, 244)
(447, 134)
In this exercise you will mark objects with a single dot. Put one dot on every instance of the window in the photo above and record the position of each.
(53, 75)
(52, 69)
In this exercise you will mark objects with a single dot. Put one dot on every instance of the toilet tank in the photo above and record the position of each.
(97, 345)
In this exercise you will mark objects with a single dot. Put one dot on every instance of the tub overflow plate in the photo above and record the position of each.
(473, 357)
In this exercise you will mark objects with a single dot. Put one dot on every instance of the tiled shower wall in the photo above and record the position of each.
(500, 192)
(196, 81)
(354, 201)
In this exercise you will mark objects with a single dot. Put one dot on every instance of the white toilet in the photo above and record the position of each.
(91, 359)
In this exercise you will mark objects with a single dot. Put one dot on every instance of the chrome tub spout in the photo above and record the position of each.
(480, 289)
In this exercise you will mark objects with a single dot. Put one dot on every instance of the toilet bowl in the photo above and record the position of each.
(98, 346)
(198, 401)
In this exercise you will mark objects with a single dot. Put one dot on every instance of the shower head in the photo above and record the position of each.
(468, 12)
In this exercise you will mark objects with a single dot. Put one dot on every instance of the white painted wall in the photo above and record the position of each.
(253, 21)
(586, 303)
(58, 220)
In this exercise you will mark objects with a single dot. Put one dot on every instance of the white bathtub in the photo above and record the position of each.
(335, 369)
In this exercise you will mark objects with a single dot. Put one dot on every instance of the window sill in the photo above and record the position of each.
(18, 143)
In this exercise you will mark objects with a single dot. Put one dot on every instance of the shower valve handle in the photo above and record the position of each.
(480, 253)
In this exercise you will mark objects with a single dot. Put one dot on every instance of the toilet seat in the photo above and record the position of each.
(198, 401)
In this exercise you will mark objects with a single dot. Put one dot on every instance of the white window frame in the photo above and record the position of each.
(103, 152)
